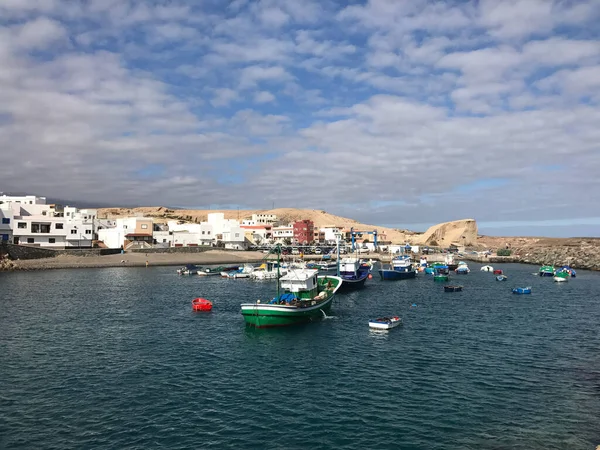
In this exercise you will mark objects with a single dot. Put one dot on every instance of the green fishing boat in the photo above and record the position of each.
(302, 296)
(440, 277)
(546, 271)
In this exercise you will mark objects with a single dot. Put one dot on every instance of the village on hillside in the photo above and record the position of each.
(30, 220)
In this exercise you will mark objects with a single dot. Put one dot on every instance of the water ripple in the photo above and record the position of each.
(115, 358)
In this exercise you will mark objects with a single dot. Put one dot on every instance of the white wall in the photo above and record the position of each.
(23, 199)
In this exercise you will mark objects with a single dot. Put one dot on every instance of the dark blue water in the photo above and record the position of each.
(115, 358)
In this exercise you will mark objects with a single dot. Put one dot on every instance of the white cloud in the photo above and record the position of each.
(39, 34)
(224, 96)
(264, 97)
(376, 92)
(252, 75)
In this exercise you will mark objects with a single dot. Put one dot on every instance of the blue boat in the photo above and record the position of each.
(353, 274)
(399, 269)
(568, 269)
(522, 290)
(501, 278)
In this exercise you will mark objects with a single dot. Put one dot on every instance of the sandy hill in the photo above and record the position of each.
(460, 231)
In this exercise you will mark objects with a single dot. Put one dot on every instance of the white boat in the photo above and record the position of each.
(487, 269)
(462, 268)
(385, 323)
(242, 272)
(268, 271)
(561, 279)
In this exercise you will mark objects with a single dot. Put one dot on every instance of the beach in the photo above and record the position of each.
(140, 260)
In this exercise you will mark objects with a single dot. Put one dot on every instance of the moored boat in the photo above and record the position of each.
(546, 271)
(441, 273)
(385, 323)
(449, 261)
(188, 269)
(569, 270)
(498, 272)
(487, 269)
(400, 268)
(501, 278)
(353, 273)
(302, 296)
(450, 288)
(462, 269)
(201, 304)
(522, 290)
(561, 277)
(211, 271)
(268, 271)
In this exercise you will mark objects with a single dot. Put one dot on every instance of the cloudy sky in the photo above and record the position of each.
(392, 112)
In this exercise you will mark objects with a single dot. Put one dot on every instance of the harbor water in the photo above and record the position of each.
(116, 358)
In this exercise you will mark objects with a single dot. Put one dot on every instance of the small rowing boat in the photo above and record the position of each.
(385, 323)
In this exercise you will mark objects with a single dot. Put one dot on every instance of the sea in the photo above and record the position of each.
(115, 358)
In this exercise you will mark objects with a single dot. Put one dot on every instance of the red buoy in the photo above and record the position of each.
(201, 304)
(370, 276)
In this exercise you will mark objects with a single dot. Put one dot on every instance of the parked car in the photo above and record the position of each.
(295, 251)
(318, 251)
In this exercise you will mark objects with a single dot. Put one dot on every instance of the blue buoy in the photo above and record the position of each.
(414, 305)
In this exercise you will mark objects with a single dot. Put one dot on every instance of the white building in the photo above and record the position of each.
(258, 234)
(6, 222)
(330, 233)
(227, 231)
(283, 232)
(128, 232)
(189, 234)
(34, 222)
(23, 199)
(264, 219)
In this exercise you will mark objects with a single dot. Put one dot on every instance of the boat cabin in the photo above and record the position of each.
(349, 266)
(300, 280)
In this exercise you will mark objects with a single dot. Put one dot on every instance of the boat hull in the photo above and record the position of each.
(387, 274)
(266, 316)
(561, 279)
(440, 278)
(546, 274)
(384, 325)
(349, 285)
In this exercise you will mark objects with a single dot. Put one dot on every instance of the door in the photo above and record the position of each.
(16, 240)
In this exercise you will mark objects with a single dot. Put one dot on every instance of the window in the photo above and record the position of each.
(144, 226)
(43, 213)
(5, 220)
(4, 237)
(208, 232)
(30, 240)
(22, 225)
(59, 226)
(73, 231)
(52, 240)
(88, 231)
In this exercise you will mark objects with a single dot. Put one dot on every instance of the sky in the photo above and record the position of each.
(390, 112)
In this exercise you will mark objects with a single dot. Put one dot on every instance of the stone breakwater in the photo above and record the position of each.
(584, 255)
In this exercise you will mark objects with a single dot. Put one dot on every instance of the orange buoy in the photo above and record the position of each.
(201, 304)
(370, 276)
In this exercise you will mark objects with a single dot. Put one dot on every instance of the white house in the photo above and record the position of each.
(49, 225)
(6, 222)
(283, 232)
(264, 219)
(127, 232)
(185, 234)
(259, 234)
(330, 232)
(23, 199)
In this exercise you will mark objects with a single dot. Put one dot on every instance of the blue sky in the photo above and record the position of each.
(386, 111)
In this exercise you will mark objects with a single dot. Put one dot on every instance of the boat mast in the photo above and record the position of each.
(337, 257)
(278, 249)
